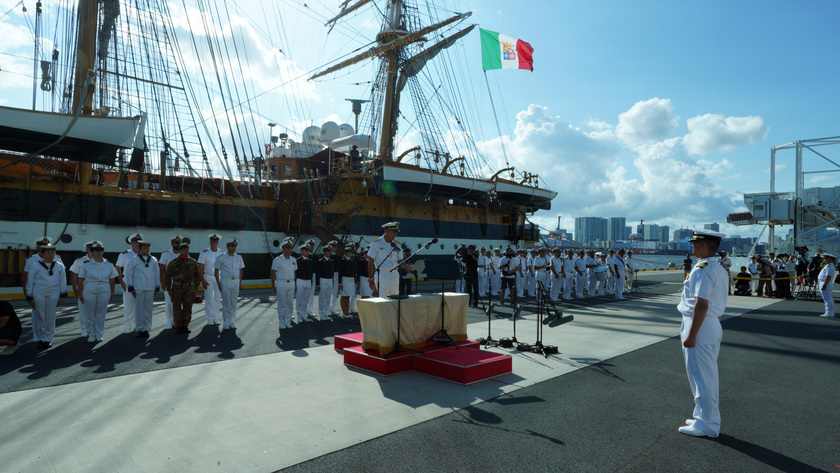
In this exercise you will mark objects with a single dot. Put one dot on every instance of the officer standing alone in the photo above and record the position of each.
(384, 254)
(702, 304)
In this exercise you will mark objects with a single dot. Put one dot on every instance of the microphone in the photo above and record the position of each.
(427, 245)
(394, 246)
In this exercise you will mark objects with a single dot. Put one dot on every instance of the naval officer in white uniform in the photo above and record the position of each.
(384, 253)
(702, 304)
(207, 270)
(826, 283)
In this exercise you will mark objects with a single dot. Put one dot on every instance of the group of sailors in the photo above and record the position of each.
(555, 274)
(335, 274)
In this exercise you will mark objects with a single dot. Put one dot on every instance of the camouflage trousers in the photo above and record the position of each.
(182, 302)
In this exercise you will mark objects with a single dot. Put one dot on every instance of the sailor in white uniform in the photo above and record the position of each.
(74, 283)
(495, 272)
(310, 303)
(96, 286)
(568, 274)
(228, 276)
(580, 274)
(283, 281)
(483, 272)
(540, 273)
(521, 274)
(142, 276)
(45, 288)
(702, 304)
(384, 253)
(619, 267)
(128, 299)
(207, 270)
(165, 258)
(826, 283)
(556, 274)
(27, 265)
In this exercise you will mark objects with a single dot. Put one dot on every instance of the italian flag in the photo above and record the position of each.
(500, 51)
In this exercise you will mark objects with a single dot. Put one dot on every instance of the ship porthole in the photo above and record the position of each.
(441, 246)
(276, 243)
(185, 240)
(66, 238)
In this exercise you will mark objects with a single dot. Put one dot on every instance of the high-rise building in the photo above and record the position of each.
(664, 233)
(615, 228)
(712, 226)
(683, 234)
(589, 230)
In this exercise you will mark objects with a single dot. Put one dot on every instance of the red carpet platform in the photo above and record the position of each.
(466, 365)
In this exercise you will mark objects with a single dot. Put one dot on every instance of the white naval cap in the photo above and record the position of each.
(232, 241)
(703, 234)
(829, 255)
(134, 236)
(214, 236)
(332, 243)
(175, 239)
(88, 244)
(395, 226)
(288, 241)
(96, 245)
(44, 240)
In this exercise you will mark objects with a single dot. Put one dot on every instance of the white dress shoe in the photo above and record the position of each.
(689, 422)
(693, 431)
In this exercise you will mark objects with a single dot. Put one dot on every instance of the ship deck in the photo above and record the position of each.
(250, 400)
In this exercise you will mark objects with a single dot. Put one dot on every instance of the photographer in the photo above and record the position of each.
(469, 258)
(508, 267)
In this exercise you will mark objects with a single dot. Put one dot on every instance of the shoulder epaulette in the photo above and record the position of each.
(395, 241)
(702, 265)
(206, 250)
(377, 238)
(126, 251)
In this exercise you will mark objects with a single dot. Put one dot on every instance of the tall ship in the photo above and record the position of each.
(145, 125)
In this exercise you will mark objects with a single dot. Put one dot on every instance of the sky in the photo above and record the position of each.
(662, 111)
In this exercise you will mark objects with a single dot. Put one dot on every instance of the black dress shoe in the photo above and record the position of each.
(40, 345)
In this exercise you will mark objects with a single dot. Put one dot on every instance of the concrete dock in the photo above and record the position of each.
(259, 400)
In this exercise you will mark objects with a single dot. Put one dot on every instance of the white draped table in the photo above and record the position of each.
(420, 320)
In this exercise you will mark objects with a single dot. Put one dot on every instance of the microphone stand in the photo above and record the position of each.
(398, 345)
(442, 337)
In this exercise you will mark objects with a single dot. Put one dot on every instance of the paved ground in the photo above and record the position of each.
(250, 401)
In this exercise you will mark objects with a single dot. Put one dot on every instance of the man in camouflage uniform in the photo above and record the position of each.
(181, 279)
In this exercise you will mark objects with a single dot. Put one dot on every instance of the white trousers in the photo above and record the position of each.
(530, 284)
(496, 282)
(82, 323)
(212, 299)
(302, 298)
(483, 282)
(619, 284)
(311, 302)
(388, 283)
(590, 289)
(364, 287)
(579, 283)
(335, 306)
(45, 305)
(520, 285)
(285, 301)
(97, 297)
(36, 320)
(167, 310)
(568, 282)
(702, 370)
(128, 311)
(324, 295)
(556, 285)
(828, 298)
(230, 295)
(143, 305)
(541, 277)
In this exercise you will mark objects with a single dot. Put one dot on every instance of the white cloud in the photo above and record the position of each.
(646, 121)
(711, 133)
(598, 173)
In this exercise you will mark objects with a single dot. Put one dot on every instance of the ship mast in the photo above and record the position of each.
(85, 63)
(391, 30)
(392, 39)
